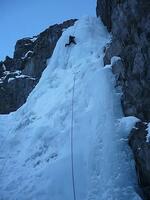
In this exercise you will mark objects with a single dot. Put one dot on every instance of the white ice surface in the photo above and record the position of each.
(35, 141)
(148, 135)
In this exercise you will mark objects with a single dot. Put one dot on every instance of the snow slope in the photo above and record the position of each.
(35, 149)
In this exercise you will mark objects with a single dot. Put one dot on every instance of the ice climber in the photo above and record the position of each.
(71, 40)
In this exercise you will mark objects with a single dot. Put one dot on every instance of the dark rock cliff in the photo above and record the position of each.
(20, 74)
(138, 141)
(129, 23)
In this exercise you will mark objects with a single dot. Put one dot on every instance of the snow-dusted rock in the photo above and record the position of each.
(30, 57)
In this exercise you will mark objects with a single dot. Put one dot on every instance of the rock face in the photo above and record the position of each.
(14, 91)
(141, 149)
(129, 23)
(20, 74)
(104, 10)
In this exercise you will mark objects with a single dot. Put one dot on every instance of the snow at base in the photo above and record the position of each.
(35, 160)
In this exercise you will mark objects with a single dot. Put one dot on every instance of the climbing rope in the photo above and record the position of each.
(72, 144)
(71, 136)
(72, 131)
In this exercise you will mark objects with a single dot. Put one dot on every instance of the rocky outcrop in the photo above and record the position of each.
(129, 23)
(130, 27)
(20, 74)
(140, 145)
(14, 90)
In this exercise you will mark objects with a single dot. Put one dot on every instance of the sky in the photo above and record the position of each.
(25, 18)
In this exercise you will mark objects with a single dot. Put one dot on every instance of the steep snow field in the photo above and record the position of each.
(35, 151)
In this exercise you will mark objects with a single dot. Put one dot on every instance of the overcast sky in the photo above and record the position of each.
(25, 18)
